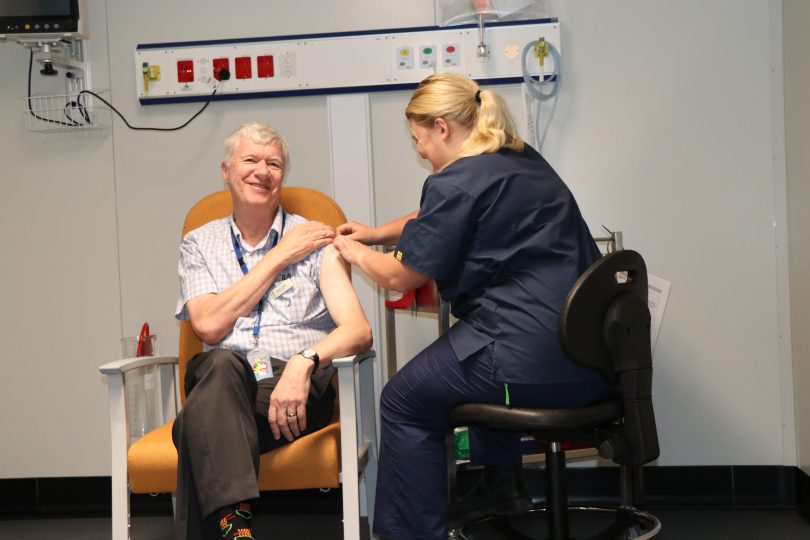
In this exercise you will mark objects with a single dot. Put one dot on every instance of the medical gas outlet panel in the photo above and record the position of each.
(336, 63)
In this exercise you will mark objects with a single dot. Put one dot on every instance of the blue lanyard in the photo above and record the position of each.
(241, 260)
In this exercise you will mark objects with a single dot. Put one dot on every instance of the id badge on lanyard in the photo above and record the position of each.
(258, 358)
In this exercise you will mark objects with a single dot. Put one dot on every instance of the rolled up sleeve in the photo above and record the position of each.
(195, 276)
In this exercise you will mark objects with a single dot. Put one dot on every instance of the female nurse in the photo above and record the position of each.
(503, 238)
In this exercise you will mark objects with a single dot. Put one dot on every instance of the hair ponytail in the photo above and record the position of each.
(493, 128)
(455, 97)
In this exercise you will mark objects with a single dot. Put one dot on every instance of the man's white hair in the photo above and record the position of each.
(258, 133)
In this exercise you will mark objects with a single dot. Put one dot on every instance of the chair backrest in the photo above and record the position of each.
(605, 325)
(306, 202)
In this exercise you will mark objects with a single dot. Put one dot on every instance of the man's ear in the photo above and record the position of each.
(224, 168)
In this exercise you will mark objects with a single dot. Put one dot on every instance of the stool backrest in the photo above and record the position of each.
(605, 325)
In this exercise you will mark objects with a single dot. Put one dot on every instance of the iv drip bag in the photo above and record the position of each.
(453, 12)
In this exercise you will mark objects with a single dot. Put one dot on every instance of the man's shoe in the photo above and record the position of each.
(501, 491)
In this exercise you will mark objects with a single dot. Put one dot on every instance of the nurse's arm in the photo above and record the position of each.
(383, 269)
(383, 235)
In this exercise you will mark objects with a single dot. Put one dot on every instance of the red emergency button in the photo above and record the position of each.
(220, 65)
(450, 49)
(185, 71)
(264, 65)
(244, 68)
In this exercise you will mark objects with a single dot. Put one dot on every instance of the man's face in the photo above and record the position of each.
(254, 174)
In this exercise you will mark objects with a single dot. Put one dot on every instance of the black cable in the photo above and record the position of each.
(224, 75)
(83, 109)
(78, 106)
(31, 110)
(67, 112)
(150, 128)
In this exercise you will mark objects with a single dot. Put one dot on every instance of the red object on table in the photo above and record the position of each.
(400, 300)
(425, 298)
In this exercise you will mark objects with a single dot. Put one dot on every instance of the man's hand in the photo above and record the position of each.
(288, 402)
(302, 240)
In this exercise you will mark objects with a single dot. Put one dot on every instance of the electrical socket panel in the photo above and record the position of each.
(323, 64)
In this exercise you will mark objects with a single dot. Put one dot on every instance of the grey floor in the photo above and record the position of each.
(677, 525)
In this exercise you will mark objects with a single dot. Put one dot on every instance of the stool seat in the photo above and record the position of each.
(554, 422)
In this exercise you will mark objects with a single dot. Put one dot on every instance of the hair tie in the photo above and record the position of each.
(478, 96)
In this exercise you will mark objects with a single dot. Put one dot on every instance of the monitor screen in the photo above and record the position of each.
(39, 17)
(35, 8)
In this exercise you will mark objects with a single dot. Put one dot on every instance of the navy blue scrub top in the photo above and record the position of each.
(504, 239)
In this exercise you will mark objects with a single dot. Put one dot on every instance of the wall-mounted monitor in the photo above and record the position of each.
(45, 19)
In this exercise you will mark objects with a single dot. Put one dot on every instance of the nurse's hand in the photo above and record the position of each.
(349, 249)
(359, 232)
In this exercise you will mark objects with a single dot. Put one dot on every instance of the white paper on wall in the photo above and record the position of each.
(657, 301)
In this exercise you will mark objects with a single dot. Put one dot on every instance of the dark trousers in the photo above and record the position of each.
(411, 501)
(221, 432)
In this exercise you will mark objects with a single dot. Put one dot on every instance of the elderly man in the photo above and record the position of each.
(273, 303)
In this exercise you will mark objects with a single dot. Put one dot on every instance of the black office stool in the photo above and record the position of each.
(604, 325)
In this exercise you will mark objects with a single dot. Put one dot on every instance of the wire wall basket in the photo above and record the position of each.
(66, 112)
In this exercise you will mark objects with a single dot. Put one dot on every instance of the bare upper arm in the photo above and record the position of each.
(337, 290)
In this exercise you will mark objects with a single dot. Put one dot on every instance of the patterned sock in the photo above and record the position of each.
(234, 522)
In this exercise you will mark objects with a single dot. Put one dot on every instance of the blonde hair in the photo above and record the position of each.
(258, 133)
(455, 97)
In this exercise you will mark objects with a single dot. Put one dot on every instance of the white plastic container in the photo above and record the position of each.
(142, 390)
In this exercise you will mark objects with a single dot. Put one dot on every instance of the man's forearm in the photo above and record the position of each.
(213, 316)
(345, 340)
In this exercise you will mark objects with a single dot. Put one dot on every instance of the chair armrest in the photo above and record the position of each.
(169, 391)
(122, 366)
(358, 421)
(349, 361)
(168, 396)
(119, 430)
(356, 400)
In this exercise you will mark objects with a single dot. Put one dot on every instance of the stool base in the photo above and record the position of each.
(587, 523)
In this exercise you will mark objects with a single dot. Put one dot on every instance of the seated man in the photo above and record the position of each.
(272, 301)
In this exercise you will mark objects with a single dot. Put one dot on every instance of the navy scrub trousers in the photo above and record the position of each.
(415, 406)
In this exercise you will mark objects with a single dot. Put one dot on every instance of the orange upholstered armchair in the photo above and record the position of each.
(345, 452)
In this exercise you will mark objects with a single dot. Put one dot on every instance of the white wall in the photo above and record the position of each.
(58, 283)
(797, 88)
(663, 131)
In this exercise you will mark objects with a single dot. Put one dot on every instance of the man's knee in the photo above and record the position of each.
(215, 357)
(215, 364)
